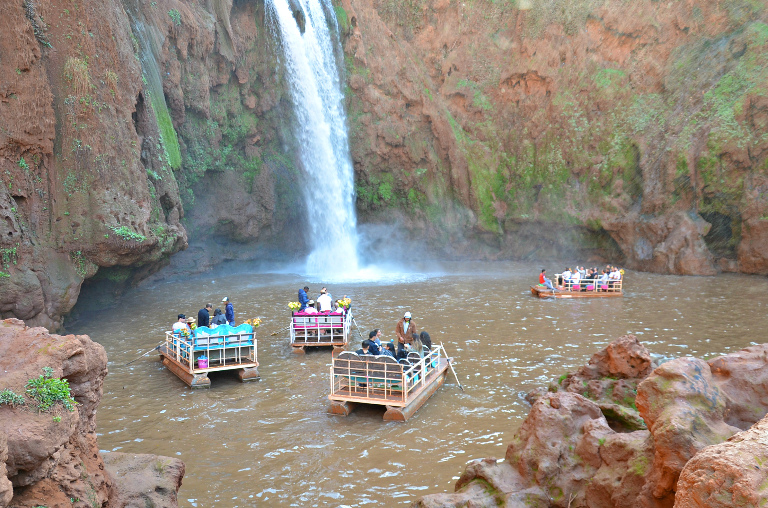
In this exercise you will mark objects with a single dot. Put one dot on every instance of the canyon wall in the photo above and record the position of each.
(136, 135)
(633, 131)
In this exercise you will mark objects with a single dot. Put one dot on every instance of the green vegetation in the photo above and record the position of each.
(126, 234)
(23, 164)
(47, 391)
(175, 17)
(341, 17)
(11, 398)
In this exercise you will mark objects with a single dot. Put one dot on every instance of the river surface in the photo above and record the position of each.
(271, 443)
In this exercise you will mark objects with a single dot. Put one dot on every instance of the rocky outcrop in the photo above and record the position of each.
(729, 474)
(143, 480)
(51, 458)
(571, 452)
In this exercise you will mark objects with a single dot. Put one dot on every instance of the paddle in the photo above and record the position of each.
(451, 366)
(145, 354)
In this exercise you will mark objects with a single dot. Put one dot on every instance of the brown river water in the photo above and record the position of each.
(271, 443)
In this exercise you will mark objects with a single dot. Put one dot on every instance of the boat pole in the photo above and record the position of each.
(358, 329)
(280, 330)
(145, 354)
(451, 365)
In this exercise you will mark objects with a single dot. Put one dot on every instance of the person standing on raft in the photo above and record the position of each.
(404, 330)
(303, 298)
(229, 311)
(204, 315)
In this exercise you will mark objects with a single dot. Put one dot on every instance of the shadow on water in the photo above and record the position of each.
(271, 442)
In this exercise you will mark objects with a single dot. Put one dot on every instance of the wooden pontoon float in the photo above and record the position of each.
(321, 329)
(207, 350)
(586, 288)
(403, 387)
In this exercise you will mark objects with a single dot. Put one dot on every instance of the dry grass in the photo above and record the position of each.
(76, 71)
(111, 79)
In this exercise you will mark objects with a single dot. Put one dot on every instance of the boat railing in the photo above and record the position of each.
(220, 351)
(381, 379)
(592, 285)
(320, 328)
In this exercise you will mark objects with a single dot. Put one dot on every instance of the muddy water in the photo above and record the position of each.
(271, 443)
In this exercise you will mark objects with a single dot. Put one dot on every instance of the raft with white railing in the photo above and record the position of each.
(585, 288)
(192, 355)
(403, 387)
(320, 329)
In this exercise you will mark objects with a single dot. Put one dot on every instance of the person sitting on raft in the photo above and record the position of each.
(324, 300)
(310, 309)
(542, 280)
(218, 319)
(365, 349)
(181, 324)
(427, 340)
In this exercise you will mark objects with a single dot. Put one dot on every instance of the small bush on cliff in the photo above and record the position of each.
(48, 391)
(11, 398)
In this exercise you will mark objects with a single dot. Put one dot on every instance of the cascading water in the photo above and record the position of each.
(321, 131)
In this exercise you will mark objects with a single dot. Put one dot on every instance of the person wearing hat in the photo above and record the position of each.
(229, 311)
(404, 330)
(303, 298)
(310, 307)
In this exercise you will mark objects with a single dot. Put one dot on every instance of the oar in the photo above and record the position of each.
(451, 366)
(280, 330)
(145, 354)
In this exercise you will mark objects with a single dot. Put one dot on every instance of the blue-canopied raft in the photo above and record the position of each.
(192, 355)
(403, 387)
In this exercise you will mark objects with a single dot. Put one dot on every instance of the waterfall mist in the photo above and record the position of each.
(310, 62)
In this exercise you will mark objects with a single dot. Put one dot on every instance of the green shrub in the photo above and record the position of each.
(23, 164)
(126, 234)
(175, 16)
(48, 391)
(11, 398)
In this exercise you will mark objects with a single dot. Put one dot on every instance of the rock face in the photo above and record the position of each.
(144, 480)
(540, 129)
(572, 451)
(51, 459)
(131, 130)
(728, 474)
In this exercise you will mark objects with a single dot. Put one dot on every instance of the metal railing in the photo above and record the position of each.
(221, 351)
(320, 329)
(591, 285)
(381, 379)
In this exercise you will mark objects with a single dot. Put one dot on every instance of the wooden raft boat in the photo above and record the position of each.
(232, 351)
(403, 387)
(585, 289)
(322, 329)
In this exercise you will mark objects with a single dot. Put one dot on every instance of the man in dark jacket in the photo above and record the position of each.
(365, 349)
(303, 298)
(229, 311)
(204, 315)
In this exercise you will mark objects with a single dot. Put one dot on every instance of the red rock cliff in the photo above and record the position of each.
(52, 458)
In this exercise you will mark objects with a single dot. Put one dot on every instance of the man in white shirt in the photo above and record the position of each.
(181, 323)
(324, 301)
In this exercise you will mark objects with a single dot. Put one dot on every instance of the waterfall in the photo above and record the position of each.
(321, 131)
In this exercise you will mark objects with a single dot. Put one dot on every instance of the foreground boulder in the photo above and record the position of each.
(620, 433)
(144, 480)
(733, 473)
(51, 458)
